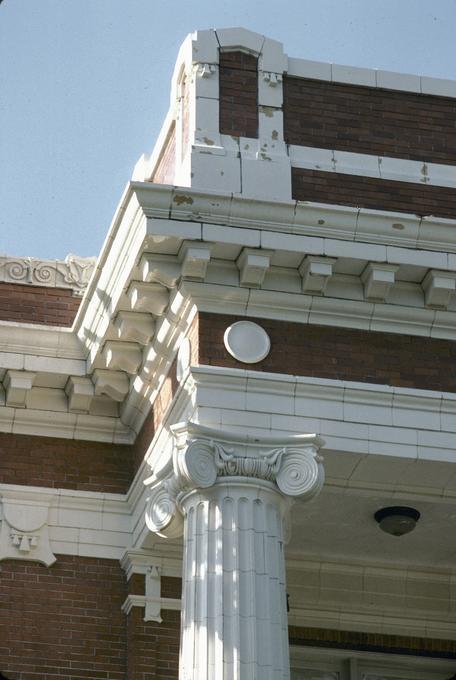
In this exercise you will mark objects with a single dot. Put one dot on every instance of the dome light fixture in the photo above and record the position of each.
(397, 520)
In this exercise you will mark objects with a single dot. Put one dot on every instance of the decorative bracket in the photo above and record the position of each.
(438, 288)
(253, 265)
(378, 279)
(315, 272)
(205, 70)
(113, 384)
(17, 384)
(272, 79)
(195, 260)
(148, 297)
(80, 393)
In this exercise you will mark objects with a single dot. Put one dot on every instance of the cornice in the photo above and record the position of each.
(172, 251)
(293, 217)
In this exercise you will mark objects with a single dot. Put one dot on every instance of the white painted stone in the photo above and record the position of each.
(356, 163)
(215, 172)
(204, 46)
(17, 385)
(260, 173)
(134, 327)
(195, 259)
(406, 82)
(353, 75)
(159, 269)
(114, 384)
(272, 57)
(270, 89)
(270, 133)
(311, 157)
(305, 68)
(24, 531)
(378, 278)
(438, 86)
(253, 265)
(439, 287)
(231, 234)
(233, 542)
(80, 392)
(148, 297)
(247, 342)
(204, 126)
(122, 356)
(231, 39)
(315, 272)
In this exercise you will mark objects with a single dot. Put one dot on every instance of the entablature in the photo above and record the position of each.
(173, 252)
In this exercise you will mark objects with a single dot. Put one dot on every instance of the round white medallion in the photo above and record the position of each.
(247, 342)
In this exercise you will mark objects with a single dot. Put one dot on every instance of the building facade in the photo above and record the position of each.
(199, 429)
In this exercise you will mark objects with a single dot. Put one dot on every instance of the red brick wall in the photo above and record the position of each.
(65, 463)
(238, 79)
(155, 416)
(63, 621)
(369, 192)
(164, 174)
(369, 120)
(37, 304)
(153, 648)
(339, 353)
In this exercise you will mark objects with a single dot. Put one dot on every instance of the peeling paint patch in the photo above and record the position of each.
(397, 225)
(267, 110)
(275, 134)
(209, 142)
(182, 199)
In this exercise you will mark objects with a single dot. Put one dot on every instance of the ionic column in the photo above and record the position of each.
(231, 496)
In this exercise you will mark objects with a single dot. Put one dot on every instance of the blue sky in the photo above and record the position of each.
(84, 88)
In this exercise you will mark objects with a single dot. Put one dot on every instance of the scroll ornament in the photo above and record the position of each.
(294, 468)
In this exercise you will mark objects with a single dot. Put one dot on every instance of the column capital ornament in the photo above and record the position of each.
(203, 457)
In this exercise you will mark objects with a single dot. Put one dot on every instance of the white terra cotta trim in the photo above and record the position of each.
(354, 417)
(369, 77)
(378, 167)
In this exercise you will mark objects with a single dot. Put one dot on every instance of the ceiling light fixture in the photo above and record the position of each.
(397, 520)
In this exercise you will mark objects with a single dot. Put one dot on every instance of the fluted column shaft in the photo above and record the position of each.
(234, 620)
(230, 495)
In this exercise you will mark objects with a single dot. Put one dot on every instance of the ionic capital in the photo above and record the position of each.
(203, 457)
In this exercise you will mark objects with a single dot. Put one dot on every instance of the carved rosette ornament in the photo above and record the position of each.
(230, 496)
